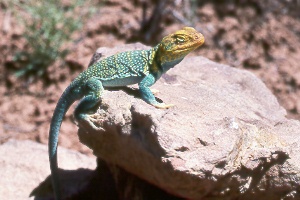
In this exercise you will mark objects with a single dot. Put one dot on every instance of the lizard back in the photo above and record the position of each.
(121, 69)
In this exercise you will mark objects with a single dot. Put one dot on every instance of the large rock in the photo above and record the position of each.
(24, 165)
(226, 138)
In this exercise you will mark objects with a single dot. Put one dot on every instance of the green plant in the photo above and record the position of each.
(48, 26)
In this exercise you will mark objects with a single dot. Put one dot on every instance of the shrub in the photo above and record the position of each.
(48, 26)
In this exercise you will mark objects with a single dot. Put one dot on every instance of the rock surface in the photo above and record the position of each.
(24, 165)
(227, 137)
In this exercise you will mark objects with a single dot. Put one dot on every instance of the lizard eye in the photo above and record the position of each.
(180, 40)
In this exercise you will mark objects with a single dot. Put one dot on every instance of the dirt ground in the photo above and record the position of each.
(263, 38)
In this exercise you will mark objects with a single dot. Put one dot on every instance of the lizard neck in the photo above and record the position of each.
(168, 65)
(161, 61)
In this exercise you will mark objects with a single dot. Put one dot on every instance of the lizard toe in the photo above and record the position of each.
(89, 123)
(163, 105)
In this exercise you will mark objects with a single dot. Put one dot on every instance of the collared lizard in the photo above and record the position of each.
(144, 67)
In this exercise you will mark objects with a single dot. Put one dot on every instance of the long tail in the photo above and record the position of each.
(65, 101)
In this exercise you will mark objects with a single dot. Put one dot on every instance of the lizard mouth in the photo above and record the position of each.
(199, 40)
(188, 48)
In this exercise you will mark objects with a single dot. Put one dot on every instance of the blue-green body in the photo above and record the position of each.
(119, 70)
(144, 67)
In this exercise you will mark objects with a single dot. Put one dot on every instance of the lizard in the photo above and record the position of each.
(143, 67)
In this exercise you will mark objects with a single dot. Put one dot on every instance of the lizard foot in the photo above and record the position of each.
(163, 105)
(88, 123)
(154, 91)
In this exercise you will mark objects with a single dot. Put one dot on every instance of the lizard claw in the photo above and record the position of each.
(88, 123)
(163, 105)
(154, 91)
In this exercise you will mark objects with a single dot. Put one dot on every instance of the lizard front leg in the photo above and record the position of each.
(93, 90)
(147, 95)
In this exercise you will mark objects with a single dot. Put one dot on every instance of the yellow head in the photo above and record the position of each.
(177, 45)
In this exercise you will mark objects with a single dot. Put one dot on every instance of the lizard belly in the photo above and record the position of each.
(121, 81)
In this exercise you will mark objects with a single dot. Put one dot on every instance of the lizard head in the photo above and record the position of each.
(177, 45)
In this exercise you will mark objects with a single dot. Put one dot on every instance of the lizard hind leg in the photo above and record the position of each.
(93, 90)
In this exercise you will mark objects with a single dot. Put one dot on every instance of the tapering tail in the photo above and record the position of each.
(65, 101)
